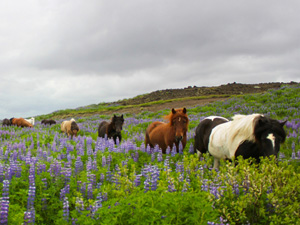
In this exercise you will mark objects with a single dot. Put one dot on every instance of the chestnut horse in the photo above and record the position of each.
(168, 134)
(20, 122)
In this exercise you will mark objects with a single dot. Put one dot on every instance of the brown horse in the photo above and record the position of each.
(168, 134)
(21, 122)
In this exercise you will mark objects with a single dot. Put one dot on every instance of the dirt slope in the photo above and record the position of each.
(228, 89)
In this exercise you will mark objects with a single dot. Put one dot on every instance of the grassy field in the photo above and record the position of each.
(47, 178)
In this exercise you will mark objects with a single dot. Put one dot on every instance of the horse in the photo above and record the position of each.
(6, 122)
(248, 136)
(20, 122)
(112, 129)
(70, 128)
(50, 122)
(31, 120)
(167, 134)
(203, 132)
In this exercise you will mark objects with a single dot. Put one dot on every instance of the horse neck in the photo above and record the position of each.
(110, 128)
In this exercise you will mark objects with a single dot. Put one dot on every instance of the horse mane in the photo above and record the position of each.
(174, 114)
(242, 127)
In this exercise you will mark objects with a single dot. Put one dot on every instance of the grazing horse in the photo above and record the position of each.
(168, 134)
(20, 122)
(6, 122)
(70, 127)
(31, 120)
(203, 131)
(112, 129)
(247, 135)
(50, 122)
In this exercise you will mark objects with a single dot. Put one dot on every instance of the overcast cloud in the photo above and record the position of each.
(58, 54)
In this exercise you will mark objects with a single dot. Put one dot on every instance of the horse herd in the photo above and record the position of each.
(248, 136)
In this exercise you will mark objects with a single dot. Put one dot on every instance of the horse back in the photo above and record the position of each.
(156, 135)
(203, 132)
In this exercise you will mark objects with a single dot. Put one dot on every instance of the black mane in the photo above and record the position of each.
(262, 147)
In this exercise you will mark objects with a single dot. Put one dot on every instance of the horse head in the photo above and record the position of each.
(269, 134)
(117, 123)
(74, 128)
(179, 121)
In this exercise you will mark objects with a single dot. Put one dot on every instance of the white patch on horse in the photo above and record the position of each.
(226, 137)
(271, 137)
(179, 119)
(215, 117)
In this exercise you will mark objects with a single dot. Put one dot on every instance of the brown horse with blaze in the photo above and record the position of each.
(168, 134)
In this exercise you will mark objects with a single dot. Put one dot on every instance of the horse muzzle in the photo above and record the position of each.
(178, 138)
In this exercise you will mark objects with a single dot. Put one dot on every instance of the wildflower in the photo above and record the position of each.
(66, 209)
(4, 203)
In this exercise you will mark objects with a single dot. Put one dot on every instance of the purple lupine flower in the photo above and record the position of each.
(173, 151)
(66, 211)
(171, 186)
(180, 147)
(167, 163)
(29, 217)
(236, 189)
(152, 156)
(137, 180)
(99, 200)
(89, 164)
(78, 165)
(147, 184)
(1, 172)
(179, 167)
(159, 156)
(90, 191)
(168, 150)
(191, 149)
(4, 204)
(293, 155)
(79, 206)
(103, 161)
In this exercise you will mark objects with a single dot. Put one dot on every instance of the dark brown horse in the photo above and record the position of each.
(168, 134)
(50, 122)
(112, 129)
(6, 122)
(21, 122)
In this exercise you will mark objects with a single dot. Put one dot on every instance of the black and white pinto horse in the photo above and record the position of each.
(247, 135)
(203, 131)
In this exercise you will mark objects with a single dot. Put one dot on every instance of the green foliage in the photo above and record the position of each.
(259, 194)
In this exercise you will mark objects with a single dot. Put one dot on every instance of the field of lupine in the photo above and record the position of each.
(47, 178)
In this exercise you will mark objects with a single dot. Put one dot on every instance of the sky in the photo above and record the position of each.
(59, 54)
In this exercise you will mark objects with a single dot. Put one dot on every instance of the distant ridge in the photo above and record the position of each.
(194, 91)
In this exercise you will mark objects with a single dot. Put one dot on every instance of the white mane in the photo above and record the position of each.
(72, 119)
(242, 128)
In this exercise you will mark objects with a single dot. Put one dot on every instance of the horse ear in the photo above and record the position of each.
(283, 123)
(173, 111)
(184, 110)
(122, 117)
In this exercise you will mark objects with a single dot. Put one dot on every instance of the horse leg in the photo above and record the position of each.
(199, 154)
(216, 163)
